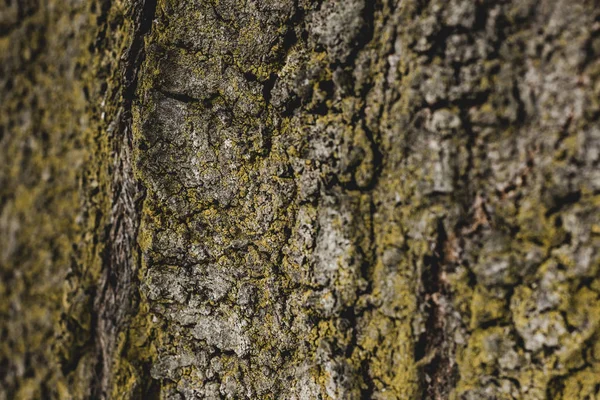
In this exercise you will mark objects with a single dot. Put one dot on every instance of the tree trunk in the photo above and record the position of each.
(295, 199)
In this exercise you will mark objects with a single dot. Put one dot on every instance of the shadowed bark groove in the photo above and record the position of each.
(116, 291)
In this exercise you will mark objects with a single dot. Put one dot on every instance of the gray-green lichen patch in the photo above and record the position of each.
(60, 90)
(337, 26)
(386, 200)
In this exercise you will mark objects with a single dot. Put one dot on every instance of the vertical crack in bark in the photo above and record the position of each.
(113, 302)
(433, 352)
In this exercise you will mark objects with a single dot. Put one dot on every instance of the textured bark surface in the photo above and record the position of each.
(294, 199)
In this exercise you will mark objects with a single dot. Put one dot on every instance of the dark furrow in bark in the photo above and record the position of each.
(113, 303)
(439, 373)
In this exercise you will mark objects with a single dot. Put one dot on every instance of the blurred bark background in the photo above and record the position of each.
(295, 199)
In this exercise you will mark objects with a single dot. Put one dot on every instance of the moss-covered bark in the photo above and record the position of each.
(296, 199)
(67, 224)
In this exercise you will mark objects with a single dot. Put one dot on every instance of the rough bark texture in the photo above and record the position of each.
(294, 199)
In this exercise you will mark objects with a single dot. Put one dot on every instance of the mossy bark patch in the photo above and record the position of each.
(295, 199)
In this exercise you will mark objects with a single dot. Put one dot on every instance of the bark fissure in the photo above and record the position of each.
(115, 298)
(434, 351)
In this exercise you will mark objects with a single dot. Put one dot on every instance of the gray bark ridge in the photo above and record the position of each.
(370, 199)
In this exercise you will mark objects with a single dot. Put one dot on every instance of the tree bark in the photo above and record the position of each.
(295, 199)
